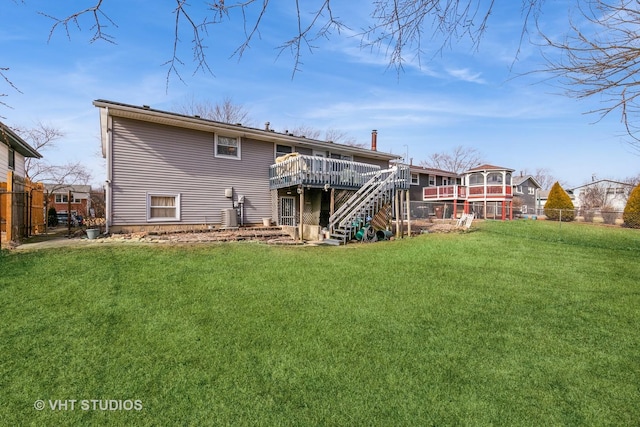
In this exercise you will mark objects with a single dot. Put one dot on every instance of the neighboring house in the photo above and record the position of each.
(526, 193)
(21, 201)
(13, 151)
(78, 205)
(422, 177)
(486, 191)
(603, 194)
(543, 196)
(172, 171)
(430, 183)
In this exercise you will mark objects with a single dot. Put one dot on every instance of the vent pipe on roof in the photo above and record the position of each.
(374, 140)
(266, 126)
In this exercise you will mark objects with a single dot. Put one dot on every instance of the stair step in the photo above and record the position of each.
(332, 242)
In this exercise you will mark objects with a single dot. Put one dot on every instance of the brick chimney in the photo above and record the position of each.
(374, 140)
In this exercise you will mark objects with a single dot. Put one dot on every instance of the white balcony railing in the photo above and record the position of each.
(319, 171)
(444, 192)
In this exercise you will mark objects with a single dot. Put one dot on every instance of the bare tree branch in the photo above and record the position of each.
(459, 160)
(74, 19)
(601, 57)
(225, 111)
(4, 77)
(197, 43)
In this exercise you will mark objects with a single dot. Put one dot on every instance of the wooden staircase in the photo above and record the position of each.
(375, 195)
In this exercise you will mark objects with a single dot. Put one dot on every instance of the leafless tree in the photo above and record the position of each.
(599, 57)
(458, 160)
(41, 136)
(543, 176)
(44, 137)
(329, 135)
(226, 111)
(594, 196)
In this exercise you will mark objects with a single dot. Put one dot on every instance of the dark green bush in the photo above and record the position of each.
(52, 217)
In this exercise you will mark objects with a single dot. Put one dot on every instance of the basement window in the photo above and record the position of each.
(163, 207)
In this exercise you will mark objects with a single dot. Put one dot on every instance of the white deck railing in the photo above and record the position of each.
(319, 171)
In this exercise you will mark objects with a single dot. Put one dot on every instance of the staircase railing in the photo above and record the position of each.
(365, 203)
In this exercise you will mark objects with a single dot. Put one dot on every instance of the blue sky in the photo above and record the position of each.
(476, 99)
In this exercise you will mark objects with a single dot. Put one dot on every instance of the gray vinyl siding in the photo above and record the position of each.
(151, 158)
(382, 163)
(19, 166)
(4, 163)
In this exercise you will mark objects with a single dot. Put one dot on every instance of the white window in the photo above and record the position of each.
(62, 198)
(163, 207)
(432, 180)
(519, 189)
(415, 179)
(532, 191)
(227, 147)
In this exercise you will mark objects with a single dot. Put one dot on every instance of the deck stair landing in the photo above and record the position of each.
(375, 195)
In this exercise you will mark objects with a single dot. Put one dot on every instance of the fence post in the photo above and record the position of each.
(69, 212)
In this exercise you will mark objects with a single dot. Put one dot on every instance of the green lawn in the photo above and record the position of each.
(518, 323)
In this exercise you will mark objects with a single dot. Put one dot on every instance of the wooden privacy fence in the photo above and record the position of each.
(21, 208)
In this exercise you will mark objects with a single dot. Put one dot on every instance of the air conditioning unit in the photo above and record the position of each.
(229, 218)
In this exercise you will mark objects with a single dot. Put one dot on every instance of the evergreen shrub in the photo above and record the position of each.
(559, 205)
(631, 215)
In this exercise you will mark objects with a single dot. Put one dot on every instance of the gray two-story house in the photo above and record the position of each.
(526, 194)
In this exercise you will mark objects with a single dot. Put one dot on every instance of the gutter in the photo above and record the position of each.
(109, 151)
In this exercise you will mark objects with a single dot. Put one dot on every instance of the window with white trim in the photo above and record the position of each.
(476, 178)
(227, 147)
(432, 180)
(340, 156)
(494, 178)
(282, 150)
(62, 198)
(532, 191)
(519, 189)
(163, 207)
(415, 179)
